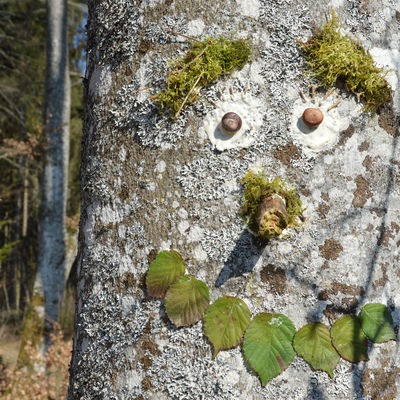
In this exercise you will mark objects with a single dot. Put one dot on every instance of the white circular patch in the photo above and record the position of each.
(324, 135)
(250, 111)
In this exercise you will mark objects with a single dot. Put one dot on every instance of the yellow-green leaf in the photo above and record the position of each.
(268, 346)
(377, 323)
(349, 339)
(225, 322)
(163, 272)
(313, 343)
(186, 300)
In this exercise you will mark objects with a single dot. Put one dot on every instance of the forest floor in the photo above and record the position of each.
(9, 345)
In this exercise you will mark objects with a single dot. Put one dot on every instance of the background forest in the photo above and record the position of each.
(22, 149)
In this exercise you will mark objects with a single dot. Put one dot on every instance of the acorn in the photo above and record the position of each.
(231, 123)
(312, 117)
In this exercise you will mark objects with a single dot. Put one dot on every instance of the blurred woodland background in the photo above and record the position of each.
(27, 371)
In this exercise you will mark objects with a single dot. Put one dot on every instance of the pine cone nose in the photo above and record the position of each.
(231, 123)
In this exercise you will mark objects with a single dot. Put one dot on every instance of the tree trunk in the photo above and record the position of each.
(151, 183)
(25, 207)
(52, 247)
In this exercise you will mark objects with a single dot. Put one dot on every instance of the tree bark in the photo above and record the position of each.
(151, 183)
(51, 264)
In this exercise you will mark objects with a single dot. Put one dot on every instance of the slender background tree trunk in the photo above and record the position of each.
(43, 310)
(52, 235)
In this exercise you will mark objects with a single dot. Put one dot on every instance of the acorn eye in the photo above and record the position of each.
(312, 117)
(231, 123)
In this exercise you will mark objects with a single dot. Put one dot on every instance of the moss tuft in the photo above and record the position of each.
(205, 61)
(334, 56)
(257, 189)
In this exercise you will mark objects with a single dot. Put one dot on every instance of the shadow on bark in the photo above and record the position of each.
(243, 258)
(314, 391)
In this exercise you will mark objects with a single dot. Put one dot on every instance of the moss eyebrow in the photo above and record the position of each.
(333, 56)
(205, 61)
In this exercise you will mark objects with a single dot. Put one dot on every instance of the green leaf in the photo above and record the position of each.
(186, 300)
(313, 343)
(225, 322)
(377, 323)
(349, 339)
(268, 346)
(163, 272)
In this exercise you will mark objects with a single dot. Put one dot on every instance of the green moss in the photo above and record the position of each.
(258, 188)
(205, 61)
(334, 56)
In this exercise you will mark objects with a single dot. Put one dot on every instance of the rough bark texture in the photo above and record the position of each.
(149, 183)
(52, 235)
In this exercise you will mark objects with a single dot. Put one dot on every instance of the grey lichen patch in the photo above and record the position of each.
(186, 361)
(280, 53)
(203, 12)
(196, 182)
(120, 21)
(106, 348)
(331, 249)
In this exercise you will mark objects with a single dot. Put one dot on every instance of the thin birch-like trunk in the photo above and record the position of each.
(52, 236)
(25, 206)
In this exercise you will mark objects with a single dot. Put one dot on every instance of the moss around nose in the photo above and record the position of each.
(313, 117)
(231, 122)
